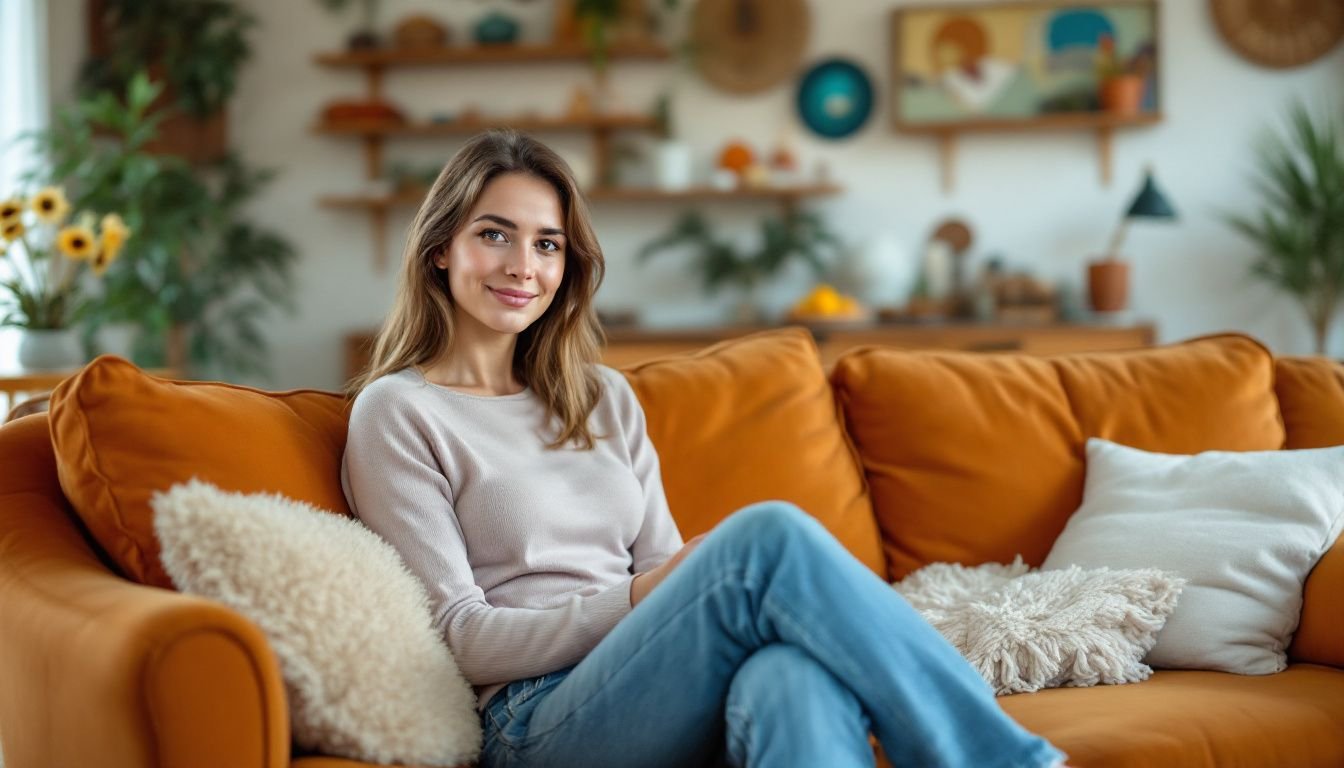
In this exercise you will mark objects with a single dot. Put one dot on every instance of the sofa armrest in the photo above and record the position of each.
(98, 670)
(1320, 633)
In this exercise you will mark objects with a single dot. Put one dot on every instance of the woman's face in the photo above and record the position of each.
(506, 264)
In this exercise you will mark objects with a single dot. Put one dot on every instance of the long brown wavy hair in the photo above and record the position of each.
(556, 354)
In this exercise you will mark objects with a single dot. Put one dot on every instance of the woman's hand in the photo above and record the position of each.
(644, 583)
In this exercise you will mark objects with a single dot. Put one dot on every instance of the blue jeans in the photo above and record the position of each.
(770, 645)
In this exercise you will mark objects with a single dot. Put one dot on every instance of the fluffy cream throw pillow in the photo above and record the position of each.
(1026, 630)
(366, 676)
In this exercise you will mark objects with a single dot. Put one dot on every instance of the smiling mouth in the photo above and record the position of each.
(511, 300)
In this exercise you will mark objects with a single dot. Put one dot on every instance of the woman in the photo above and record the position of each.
(515, 476)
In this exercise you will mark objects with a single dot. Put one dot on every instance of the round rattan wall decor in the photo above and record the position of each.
(1280, 33)
(748, 46)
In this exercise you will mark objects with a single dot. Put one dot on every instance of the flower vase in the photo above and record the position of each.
(50, 349)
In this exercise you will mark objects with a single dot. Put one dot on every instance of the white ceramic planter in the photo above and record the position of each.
(672, 164)
(50, 349)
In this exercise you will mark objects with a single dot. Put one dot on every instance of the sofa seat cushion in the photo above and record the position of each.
(976, 458)
(121, 434)
(1293, 719)
(752, 419)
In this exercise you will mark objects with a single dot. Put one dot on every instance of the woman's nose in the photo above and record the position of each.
(519, 260)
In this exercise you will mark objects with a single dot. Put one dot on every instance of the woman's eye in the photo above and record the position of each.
(549, 245)
(490, 234)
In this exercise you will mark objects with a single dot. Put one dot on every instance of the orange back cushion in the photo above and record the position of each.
(753, 419)
(1311, 397)
(120, 435)
(978, 458)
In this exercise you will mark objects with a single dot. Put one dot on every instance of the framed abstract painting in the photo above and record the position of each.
(1009, 63)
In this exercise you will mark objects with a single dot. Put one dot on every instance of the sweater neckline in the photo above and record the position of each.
(523, 395)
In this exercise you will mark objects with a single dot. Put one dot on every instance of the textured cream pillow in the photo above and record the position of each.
(1024, 631)
(366, 676)
(1244, 528)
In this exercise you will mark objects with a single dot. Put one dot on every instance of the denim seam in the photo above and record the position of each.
(740, 717)
(667, 623)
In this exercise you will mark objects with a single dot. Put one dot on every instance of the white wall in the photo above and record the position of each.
(1034, 198)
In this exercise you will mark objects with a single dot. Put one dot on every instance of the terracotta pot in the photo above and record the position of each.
(1122, 95)
(1108, 285)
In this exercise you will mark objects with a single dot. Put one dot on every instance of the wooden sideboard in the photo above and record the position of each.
(630, 345)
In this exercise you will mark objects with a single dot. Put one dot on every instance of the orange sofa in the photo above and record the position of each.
(907, 457)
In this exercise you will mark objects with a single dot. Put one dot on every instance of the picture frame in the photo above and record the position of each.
(1024, 64)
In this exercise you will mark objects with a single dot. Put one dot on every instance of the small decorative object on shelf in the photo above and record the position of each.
(939, 291)
(496, 28)
(737, 156)
(365, 37)
(46, 254)
(419, 33)
(825, 304)
(1108, 277)
(1122, 83)
(797, 236)
(361, 112)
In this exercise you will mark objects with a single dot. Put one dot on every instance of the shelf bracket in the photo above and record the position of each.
(1104, 134)
(947, 157)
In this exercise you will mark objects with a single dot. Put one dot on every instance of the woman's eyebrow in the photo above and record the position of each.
(503, 222)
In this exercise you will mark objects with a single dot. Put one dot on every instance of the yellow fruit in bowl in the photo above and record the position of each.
(825, 302)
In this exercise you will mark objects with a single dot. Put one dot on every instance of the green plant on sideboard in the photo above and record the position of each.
(1299, 228)
(797, 236)
(202, 280)
(195, 46)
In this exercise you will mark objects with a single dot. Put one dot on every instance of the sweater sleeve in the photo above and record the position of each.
(396, 486)
(658, 537)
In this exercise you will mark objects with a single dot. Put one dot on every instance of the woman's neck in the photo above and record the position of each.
(479, 367)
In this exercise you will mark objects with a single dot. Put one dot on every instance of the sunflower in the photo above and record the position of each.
(10, 210)
(113, 237)
(77, 242)
(101, 261)
(50, 205)
(13, 229)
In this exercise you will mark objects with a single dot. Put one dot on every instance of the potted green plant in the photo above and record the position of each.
(204, 278)
(195, 48)
(796, 236)
(1299, 228)
(1119, 83)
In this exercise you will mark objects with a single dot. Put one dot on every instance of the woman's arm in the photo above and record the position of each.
(396, 486)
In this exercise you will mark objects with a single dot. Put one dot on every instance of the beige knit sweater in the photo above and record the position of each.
(526, 553)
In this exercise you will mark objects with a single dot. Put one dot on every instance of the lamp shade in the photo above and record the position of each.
(1150, 203)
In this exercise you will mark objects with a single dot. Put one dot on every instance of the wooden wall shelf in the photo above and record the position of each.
(375, 134)
(482, 54)
(458, 127)
(1103, 124)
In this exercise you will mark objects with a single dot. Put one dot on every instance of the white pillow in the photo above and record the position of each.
(366, 676)
(1244, 528)
(1024, 631)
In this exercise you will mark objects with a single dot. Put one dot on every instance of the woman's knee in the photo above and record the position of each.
(768, 521)
(778, 674)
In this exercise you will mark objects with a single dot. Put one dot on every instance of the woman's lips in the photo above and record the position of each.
(512, 301)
